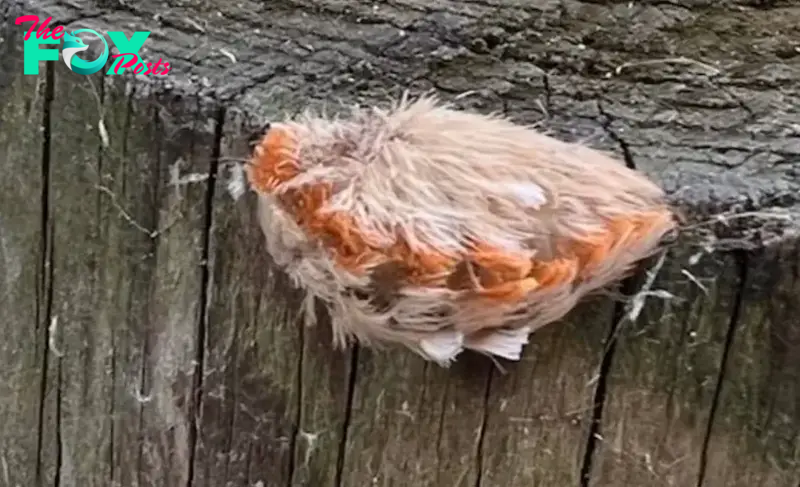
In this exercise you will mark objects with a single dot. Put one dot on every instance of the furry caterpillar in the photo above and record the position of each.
(444, 230)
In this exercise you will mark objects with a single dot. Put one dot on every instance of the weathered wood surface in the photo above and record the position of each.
(147, 341)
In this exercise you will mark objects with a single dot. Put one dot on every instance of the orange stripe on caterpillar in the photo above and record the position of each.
(510, 291)
(499, 274)
(273, 161)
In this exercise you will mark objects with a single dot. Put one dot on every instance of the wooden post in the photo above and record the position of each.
(147, 339)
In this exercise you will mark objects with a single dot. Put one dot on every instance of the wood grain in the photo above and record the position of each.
(22, 270)
(176, 354)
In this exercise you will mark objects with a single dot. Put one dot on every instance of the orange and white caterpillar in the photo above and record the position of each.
(446, 230)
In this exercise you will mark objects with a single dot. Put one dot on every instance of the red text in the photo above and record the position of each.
(132, 61)
(43, 32)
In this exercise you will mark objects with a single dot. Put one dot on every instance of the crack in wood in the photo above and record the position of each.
(235, 394)
(608, 119)
(482, 429)
(298, 416)
(351, 390)
(144, 350)
(101, 95)
(742, 259)
(628, 288)
(44, 294)
(114, 378)
(205, 282)
(440, 430)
